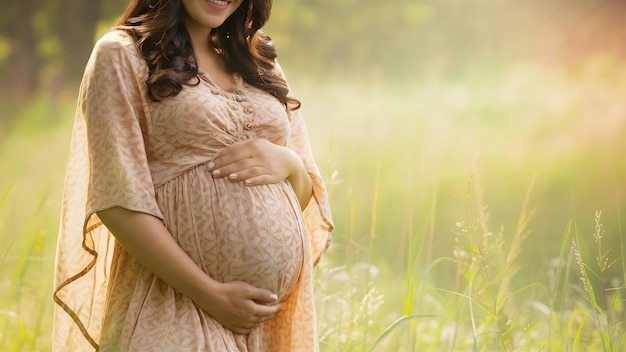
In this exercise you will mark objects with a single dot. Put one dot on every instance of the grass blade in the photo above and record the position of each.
(395, 324)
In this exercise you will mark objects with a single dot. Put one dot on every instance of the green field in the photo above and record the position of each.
(481, 213)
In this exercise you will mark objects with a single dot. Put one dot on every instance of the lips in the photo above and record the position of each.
(218, 3)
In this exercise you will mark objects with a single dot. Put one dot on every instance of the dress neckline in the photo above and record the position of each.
(236, 78)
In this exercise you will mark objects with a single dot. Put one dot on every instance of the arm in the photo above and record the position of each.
(236, 305)
(300, 180)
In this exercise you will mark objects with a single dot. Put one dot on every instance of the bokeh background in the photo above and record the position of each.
(474, 151)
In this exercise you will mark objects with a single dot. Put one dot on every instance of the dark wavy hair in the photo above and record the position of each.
(163, 41)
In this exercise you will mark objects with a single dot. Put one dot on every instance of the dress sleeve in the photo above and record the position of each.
(317, 215)
(107, 168)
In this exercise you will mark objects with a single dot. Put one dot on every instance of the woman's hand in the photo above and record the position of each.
(240, 307)
(259, 161)
(255, 161)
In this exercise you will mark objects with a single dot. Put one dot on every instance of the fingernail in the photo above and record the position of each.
(233, 176)
(211, 165)
(216, 172)
(273, 297)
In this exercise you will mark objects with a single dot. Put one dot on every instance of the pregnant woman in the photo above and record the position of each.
(193, 210)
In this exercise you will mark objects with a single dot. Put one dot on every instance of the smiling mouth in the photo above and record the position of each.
(219, 2)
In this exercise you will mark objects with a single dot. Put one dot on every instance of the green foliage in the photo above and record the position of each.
(48, 42)
(481, 311)
(45, 45)
(31, 157)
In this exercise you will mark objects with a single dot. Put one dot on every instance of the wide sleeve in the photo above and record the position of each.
(317, 215)
(107, 167)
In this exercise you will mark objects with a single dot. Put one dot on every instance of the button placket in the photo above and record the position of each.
(248, 116)
(247, 111)
(233, 106)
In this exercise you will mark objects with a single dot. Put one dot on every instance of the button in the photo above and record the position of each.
(240, 98)
(239, 91)
(215, 91)
(248, 110)
(248, 125)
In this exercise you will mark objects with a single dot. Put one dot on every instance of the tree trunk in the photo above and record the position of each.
(22, 68)
(77, 31)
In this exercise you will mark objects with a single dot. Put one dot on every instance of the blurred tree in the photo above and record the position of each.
(361, 36)
(48, 43)
(18, 70)
(45, 43)
(76, 30)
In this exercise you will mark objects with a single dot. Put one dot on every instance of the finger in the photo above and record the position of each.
(233, 152)
(221, 163)
(268, 311)
(236, 170)
(246, 172)
(260, 319)
(262, 296)
(259, 180)
(230, 156)
(264, 319)
(271, 316)
(234, 147)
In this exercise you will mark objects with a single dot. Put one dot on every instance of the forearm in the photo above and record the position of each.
(300, 181)
(147, 240)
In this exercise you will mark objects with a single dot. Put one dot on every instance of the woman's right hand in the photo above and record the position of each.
(240, 307)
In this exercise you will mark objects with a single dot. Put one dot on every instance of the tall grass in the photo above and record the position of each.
(32, 159)
(488, 308)
(491, 267)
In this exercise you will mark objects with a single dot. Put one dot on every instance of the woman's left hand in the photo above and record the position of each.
(255, 161)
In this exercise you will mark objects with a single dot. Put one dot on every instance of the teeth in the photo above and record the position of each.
(219, 2)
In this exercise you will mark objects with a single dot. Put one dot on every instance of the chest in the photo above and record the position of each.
(204, 117)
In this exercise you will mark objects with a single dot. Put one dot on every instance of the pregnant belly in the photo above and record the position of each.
(235, 232)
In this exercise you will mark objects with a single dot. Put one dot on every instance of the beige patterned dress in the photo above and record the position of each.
(150, 157)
